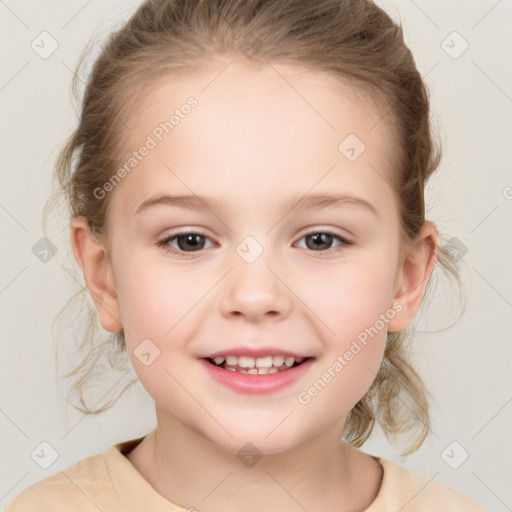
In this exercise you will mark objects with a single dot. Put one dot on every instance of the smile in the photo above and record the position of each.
(256, 365)
(256, 375)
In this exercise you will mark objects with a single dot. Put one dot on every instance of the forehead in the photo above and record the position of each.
(256, 129)
(263, 90)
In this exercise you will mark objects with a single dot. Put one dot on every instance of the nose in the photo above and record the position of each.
(256, 290)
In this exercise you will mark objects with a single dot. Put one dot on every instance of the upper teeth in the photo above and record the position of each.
(258, 362)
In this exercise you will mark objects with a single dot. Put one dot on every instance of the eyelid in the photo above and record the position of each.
(307, 231)
(182, 232)
(327, 230)
(164, 242)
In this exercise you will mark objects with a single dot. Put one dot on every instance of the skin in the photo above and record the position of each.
(255, 141)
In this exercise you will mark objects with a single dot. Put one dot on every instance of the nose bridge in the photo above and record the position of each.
(253, 287)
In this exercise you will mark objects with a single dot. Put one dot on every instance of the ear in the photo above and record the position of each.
(97, 270)
(414, 272)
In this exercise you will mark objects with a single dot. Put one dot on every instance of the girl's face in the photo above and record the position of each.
(317, 280)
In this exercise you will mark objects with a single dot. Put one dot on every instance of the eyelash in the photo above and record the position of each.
(164, 243)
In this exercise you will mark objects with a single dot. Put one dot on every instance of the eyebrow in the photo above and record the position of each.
(305, 202)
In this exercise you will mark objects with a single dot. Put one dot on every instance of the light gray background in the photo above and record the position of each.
(467, 368)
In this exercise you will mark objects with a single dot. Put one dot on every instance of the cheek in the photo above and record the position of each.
(355, 307)
(350, 298)
(159, 308)
(154, 299)
(154, 307)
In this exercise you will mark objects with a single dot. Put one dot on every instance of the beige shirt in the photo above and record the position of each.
(109, 482)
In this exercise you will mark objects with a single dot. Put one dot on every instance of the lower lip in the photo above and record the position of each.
(256, 384)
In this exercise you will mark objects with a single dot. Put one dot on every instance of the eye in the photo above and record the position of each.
(185, 241)
(319, 241)
(189, 242)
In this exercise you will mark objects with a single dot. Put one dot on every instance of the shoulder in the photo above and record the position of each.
(407, 491)
(75, 488)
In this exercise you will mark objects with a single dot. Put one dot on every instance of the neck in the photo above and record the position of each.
(192, 472)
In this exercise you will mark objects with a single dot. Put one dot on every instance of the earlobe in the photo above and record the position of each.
(92, 258)
(414, 274)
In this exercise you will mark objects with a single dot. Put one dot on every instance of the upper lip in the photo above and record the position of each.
(253, 352)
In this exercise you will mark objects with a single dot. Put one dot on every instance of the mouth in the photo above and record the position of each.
(257, 365)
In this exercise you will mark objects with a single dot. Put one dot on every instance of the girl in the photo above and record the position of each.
(246, 189)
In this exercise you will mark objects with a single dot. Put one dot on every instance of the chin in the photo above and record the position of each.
(256, 446)
(258, 440)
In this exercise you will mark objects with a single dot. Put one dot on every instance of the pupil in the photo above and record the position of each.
(320, 237)
(189, 238)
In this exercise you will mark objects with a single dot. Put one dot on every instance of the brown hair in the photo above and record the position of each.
(352, 40)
